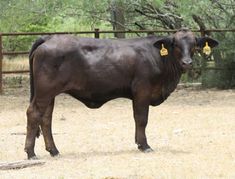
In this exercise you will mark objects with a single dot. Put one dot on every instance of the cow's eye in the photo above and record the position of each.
(177, 52)
(178, 49)
(175, 45)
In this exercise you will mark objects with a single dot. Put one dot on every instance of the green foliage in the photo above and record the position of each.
(78, 15)
(224, 58)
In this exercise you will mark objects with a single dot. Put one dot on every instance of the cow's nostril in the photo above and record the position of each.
(187, 62)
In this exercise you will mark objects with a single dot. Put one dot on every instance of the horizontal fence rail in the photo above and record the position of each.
(95, 32)
(111, 31)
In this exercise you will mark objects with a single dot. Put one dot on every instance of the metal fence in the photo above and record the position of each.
(96, 33)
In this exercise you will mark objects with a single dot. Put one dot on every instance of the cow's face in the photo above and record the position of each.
(182, 46)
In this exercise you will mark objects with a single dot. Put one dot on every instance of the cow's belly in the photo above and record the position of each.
(95, 99)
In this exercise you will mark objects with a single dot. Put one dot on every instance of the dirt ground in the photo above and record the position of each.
(192, 134)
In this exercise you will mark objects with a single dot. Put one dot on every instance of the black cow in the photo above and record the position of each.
(145, 70)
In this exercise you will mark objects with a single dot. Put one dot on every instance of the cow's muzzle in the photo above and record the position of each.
(187, 63)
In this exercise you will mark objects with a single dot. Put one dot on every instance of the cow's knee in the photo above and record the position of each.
(32, 116)
(141, 123)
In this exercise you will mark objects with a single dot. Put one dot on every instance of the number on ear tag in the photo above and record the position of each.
(163, 51)
(207, 49)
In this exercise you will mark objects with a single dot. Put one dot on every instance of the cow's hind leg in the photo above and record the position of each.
(46, 130)
(34, 118)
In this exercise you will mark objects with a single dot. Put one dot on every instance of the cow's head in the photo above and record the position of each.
(182, 46)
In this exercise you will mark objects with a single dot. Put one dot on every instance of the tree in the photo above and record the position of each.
(117, 9)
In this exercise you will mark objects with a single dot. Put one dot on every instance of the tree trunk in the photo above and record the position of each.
(118, 18)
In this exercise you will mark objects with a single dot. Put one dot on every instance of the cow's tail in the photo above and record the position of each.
(35, 45)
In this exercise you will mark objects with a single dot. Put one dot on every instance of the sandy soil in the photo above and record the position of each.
(192, 134)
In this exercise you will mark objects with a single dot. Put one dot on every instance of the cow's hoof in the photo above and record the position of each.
(33, 158)
(145, 149)
(54, 153)
(31, 155)
(148, 150)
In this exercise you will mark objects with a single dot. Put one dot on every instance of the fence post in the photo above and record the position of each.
(203, 33)
(97, 33)
(1, 57)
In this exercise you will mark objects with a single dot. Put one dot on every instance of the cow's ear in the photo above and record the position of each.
(164, 45)
(204, 41)
(166, 42)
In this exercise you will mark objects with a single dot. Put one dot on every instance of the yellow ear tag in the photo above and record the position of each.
(163, 51)
(207, 49)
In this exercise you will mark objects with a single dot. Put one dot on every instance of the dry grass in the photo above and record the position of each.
(17, 63)
(192, 134)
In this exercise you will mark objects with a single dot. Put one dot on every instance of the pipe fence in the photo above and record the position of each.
(96, 34)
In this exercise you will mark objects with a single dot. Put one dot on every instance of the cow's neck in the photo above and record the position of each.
(171, 75)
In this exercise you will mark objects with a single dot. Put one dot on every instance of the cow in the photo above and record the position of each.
(145, 70)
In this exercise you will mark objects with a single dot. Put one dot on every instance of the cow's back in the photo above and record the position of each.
(88, 68)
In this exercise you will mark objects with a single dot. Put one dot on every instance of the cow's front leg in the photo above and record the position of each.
(141, 109)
